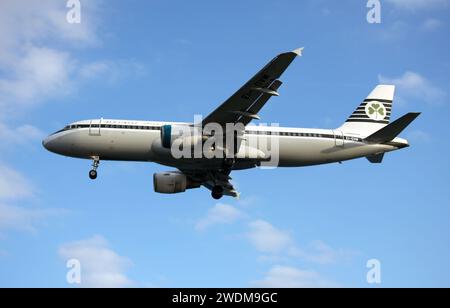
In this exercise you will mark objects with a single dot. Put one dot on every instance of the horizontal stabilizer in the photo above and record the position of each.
(389, 132)
(376, 159)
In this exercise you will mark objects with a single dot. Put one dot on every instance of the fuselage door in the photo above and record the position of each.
(94, 127)
(339, 138)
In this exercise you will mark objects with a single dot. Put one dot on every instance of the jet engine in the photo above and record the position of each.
(172, 183)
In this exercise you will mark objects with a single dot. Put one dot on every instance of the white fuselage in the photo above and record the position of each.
(123, 140)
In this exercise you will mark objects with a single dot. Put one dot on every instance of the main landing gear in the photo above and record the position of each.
(227, 167)
(93, 172)
(217, 192)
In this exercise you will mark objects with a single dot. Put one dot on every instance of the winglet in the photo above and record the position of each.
(299, 51)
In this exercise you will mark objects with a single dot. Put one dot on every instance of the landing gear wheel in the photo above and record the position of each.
(217, 192)
(93, 174)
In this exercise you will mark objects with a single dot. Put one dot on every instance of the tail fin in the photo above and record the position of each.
(374, 112)
(392, 130)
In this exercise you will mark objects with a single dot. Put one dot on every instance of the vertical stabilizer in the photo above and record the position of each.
(373, 113)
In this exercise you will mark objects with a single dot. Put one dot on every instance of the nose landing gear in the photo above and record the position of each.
(93, 172)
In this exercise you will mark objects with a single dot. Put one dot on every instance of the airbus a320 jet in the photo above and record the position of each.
(367, 133)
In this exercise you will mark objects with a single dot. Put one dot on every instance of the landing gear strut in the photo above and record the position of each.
(93, 172)
(228, 165)
(217, 192)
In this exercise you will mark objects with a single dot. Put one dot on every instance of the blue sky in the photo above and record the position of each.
(169, 60)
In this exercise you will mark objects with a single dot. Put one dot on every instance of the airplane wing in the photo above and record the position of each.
(244, 105)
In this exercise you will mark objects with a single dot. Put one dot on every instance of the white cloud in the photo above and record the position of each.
(419, 136)
(413, 86)
(13, 185)
(413, 5)
(320, 253)
(31, 72)
(18, 218)
(219, 214)
(25, 22)
(248, 201)
(432, 24)
(40, 74)
(394, 30)
(400, 29)
(268, 239)
(38, 23)
(36, 51)
(111, 71)
(280, 245)
(100, 265)
(28, 132)
(291, 277)
(95, 69)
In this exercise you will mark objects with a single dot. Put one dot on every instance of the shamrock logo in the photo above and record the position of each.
(376, 111)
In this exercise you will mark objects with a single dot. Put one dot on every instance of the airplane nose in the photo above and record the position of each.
(55, 144)
(45, 143)
(49, 144)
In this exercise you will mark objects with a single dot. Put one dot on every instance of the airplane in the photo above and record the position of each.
(367, 133)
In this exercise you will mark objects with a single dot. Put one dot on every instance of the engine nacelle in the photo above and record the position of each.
(172, 183)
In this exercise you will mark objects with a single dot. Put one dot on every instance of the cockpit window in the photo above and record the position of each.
(68, 127)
